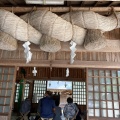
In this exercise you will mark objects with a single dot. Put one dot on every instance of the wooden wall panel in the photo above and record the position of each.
(3, 118)
(61, 55)
(113, 35)
(100, 118)
(56, 73)
(41, 73)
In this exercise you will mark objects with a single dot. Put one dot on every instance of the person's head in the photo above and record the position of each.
(69, 100)
(48, 93)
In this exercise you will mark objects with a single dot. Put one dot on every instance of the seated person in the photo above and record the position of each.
(58, 112)
(26, 107)
(70, 110)
(78, 117)
(46, 107)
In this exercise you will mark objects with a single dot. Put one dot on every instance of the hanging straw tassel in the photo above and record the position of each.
(7, 42)
(16, 27)
(94, 40)
(92, 20)
(50, 24)
(78, 32)
(49, 44)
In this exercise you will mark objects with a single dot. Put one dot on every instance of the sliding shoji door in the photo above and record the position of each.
(79, 93)
(26, 91)
(79, 96)
(7, 86)
(39, 90)
(103, 94)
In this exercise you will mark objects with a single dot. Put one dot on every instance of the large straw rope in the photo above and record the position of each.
(94, 40)
(16, 27)
(49, 44)
(92, 20)
(78, 34)
(50, 24)
(7, 42)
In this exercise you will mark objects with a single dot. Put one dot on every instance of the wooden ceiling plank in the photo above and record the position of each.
(61, 9)
(61, 63)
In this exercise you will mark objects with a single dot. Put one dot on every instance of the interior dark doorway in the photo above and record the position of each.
(61, 91)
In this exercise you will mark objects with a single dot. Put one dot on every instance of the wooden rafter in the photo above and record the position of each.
(60, 9)
(86, 2)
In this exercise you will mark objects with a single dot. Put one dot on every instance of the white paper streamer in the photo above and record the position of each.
(73, 49)
(67, 72)
(28, 54)
(34, 71)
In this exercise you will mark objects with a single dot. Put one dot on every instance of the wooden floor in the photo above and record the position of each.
(14, 117)
(31, 118)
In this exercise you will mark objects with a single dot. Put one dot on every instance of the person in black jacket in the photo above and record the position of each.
(78, 117)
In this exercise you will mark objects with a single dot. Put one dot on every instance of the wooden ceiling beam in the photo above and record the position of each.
(60, 9)
(60, 64)
(112, 46)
